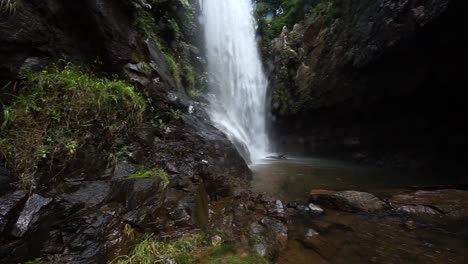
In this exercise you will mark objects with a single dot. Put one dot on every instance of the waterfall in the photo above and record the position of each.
(237, 82)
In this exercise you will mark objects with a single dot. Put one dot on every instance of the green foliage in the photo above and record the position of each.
(271, 22)
(175, 114)
(151, 173)
(223, 249)
(34, 261)
(157, 121)
(189, 77)
(329, 9)
(8, 6)
(174, 67)
(175, 28)
(144, 22)
(60, 110)
(192, 94)
(150, 251)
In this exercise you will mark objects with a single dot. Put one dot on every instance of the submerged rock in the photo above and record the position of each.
(314, 209)
(448, 202)
(350, 201)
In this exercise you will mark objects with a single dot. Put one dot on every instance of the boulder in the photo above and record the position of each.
(351, 201)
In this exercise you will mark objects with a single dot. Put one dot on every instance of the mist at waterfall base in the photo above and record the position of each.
(238, 85)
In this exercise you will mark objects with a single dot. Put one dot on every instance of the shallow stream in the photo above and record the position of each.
(386, 237)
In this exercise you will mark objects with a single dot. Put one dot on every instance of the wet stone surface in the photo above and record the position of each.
(30, 214)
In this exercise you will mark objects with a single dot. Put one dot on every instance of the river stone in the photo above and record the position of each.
(350, 201)
(30, 214)
(260, 249)
(315, 209)
(452, 203)
(414, 209)
(277, 228)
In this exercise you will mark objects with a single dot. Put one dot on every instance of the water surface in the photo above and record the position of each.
(293, 178)
(386, 237)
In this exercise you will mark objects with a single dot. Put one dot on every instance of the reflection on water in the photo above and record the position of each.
(385, 237)
(292, 179)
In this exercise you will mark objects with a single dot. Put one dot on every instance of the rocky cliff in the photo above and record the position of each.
(83, 192)
(378, 80)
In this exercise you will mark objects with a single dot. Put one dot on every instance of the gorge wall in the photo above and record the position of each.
(91, 197)
(377, 81)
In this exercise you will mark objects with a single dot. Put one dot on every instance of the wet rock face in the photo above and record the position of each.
(81, 31)
(336, 92)
(30, 214)
(81, 215)
(10, 203)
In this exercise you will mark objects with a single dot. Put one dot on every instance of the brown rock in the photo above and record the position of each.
(452, 203)
(350, 201)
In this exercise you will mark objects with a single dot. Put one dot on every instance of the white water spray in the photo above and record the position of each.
(237, 81)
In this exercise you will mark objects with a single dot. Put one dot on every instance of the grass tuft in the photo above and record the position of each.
(152, 173)
(58, 111)
(150, 251)
(174, 67)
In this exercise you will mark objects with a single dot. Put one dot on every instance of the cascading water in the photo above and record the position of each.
(237, 82)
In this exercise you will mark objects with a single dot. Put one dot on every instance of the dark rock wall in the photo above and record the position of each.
(83, 213)
(380, 81)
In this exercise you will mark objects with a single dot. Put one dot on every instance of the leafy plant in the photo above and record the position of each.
(175, 114)
(273, 15)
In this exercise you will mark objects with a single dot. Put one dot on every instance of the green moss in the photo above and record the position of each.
(174, 67)
(175, 28)
(144, 22)
(151, 173)
(146, 68)
(189, 76)
(60, 110)
(192, 94)
(223, 249)
(150, 251)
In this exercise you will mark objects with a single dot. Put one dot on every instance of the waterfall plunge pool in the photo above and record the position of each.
(343, 237)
